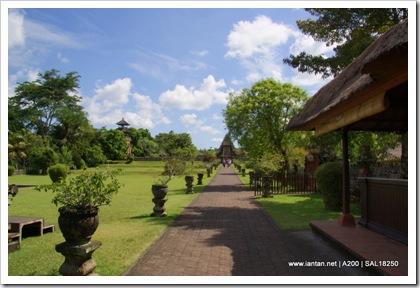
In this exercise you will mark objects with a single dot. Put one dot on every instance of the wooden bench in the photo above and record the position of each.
(13, 236)
(13, 242)
(48, 227)
(16, 224)
(33, 225)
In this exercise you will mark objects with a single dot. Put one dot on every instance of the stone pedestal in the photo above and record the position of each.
(78, 259)
(189, 183)
(160, 193)
(159, 209)
(200, 179)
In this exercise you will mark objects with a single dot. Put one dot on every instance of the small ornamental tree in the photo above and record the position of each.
(329, 178)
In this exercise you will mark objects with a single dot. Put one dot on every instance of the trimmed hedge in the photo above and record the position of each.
(10, 170)
(57, 172)
(329, 179)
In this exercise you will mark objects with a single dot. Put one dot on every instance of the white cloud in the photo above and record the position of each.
(109, 105)
(210, 130)
(111, 95)
(305, 79)
(257, 44)
(236, 82)
(62, 58)
(157, 65)
(196, 125)
(218, 140)
(216, 116)
(33, 41)
(16, 28)
(305, 43)
(195, 99)
(190, 120)
(148, 114)
(49, 34)
(105, 107)
(21, 76)
(200, 53)
(258, 37)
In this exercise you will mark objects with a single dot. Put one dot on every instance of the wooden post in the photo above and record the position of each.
(346, 219)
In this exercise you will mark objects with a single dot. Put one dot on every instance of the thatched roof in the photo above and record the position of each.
(381, 68)
(122, 123)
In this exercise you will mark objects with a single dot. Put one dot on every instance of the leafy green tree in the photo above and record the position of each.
(142, 142)
(17, 150)
(209, 155)
(95, 156)
(352, 30)
(177, 145)
(113, 143)
(37, 104)
(378, 143)
(65, 156)
(41, 158)
(71, 126)
(257, 117)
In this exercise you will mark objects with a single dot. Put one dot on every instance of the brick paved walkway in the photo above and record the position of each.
(225, 232)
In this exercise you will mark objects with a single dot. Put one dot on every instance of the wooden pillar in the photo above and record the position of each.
(346, 219)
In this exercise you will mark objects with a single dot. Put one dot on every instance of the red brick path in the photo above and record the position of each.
(223, 232)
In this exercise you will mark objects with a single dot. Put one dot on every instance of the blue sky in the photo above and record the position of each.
(161, 69)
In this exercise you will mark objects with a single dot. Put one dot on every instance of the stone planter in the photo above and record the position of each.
(200, 178)
(159, 193)
(189, 183)
(78, 225)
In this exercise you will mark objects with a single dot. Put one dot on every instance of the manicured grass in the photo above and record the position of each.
(126, 230)
(296, 211)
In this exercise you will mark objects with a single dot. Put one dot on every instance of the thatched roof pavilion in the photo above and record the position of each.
(370, 94)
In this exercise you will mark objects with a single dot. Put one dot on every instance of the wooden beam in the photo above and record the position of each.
(346, 219)
(371, 107)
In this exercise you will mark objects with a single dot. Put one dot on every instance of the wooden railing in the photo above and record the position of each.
(284, 183)
(384, 206)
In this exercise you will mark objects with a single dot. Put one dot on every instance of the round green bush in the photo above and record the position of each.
(10, 170)
(329, 179)
(57, 172)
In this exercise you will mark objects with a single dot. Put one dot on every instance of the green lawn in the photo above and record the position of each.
(296, 211)
(126, 230)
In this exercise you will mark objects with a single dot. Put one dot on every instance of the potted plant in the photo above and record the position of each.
(200, 170)
(79, 200)
(200, 176)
